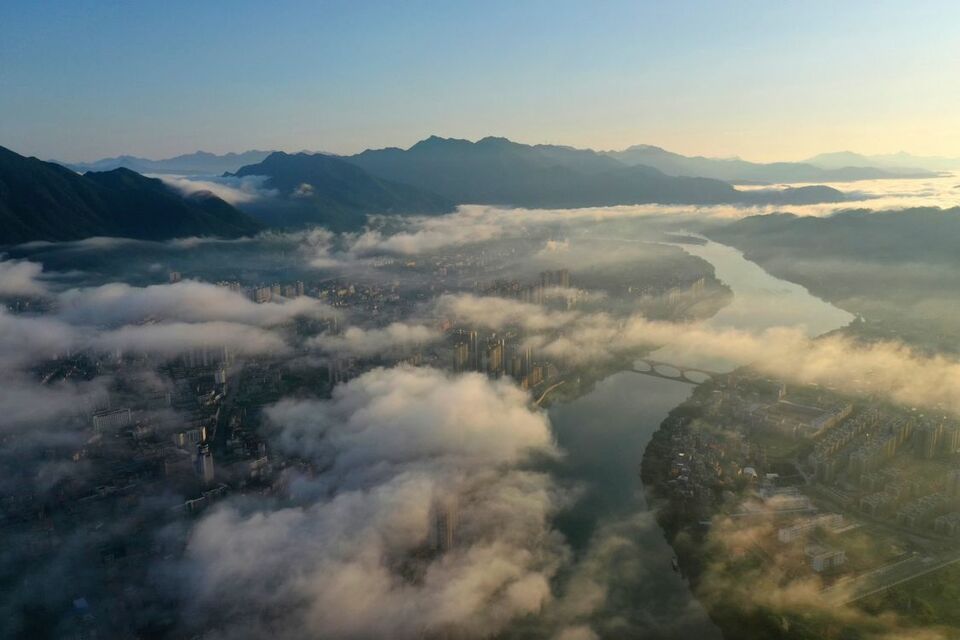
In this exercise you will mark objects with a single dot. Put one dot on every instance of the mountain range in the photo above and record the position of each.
(45, 201)
(741, 171)
(842, 166)
(198, 163)
(898, 162)
(499, 171)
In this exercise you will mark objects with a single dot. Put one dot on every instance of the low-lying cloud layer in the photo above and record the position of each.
(358, 342)
(189, 301)
(887, 368)
(356, 559)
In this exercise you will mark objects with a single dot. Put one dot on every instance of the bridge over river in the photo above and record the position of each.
(656, 368)
(675, 372)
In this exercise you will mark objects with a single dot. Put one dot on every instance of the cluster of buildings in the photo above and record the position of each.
(894, 466)
(534, 293)
(498, 355)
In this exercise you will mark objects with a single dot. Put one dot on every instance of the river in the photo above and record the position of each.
(616, 539)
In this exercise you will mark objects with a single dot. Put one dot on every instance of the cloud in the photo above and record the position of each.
(396, 336)
(173, 319)
(26, 404)
(477, 223)
(887, 368)
(886, 194)
(305, 190)
(236, 191)
(189, 301)
(355, 561)
(779, 591)
(21, 278)
(555, 246)
(402, 414)
(26, 338)
(175, 338)
(571, 294)
(497, 313)
(318, 244)
(579, 632)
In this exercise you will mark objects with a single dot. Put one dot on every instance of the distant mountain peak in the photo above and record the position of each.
(495, 141)
(644, 147)
(434, 141)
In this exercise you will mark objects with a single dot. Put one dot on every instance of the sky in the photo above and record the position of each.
(761, 80)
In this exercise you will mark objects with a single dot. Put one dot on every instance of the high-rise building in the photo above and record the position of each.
(262, 294)
(205, 463)
(950, 439)
(533, 294)
(111, 420)
(473, 343)
(443, 525)
(527, 360)
(953, 483)
(461, 357)
(495, 356)
(188, 438)
(928, 437)
(516, 366)
(207, 356)
(559, 278)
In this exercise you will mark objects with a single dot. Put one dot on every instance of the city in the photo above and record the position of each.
(173, 433)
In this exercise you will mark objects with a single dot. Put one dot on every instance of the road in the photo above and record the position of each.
(543, 396)
(886, 577)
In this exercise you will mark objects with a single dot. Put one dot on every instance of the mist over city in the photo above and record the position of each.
(540, 320)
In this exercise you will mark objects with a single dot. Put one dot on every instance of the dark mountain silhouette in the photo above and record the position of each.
(200, 162)
(323, 189)
(45, 201)
(498, 171)
(742, 171)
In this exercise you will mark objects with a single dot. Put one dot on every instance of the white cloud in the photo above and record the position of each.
(21, 278)
(355, 562)
(397, 336)
(175, 338)
(496, 313)
(189, 301)
(402, 414)
(233, 190)
(25, 338)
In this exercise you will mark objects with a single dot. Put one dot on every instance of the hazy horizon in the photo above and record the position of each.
(407, 145)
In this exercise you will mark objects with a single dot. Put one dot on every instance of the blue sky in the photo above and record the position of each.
(763, 80)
